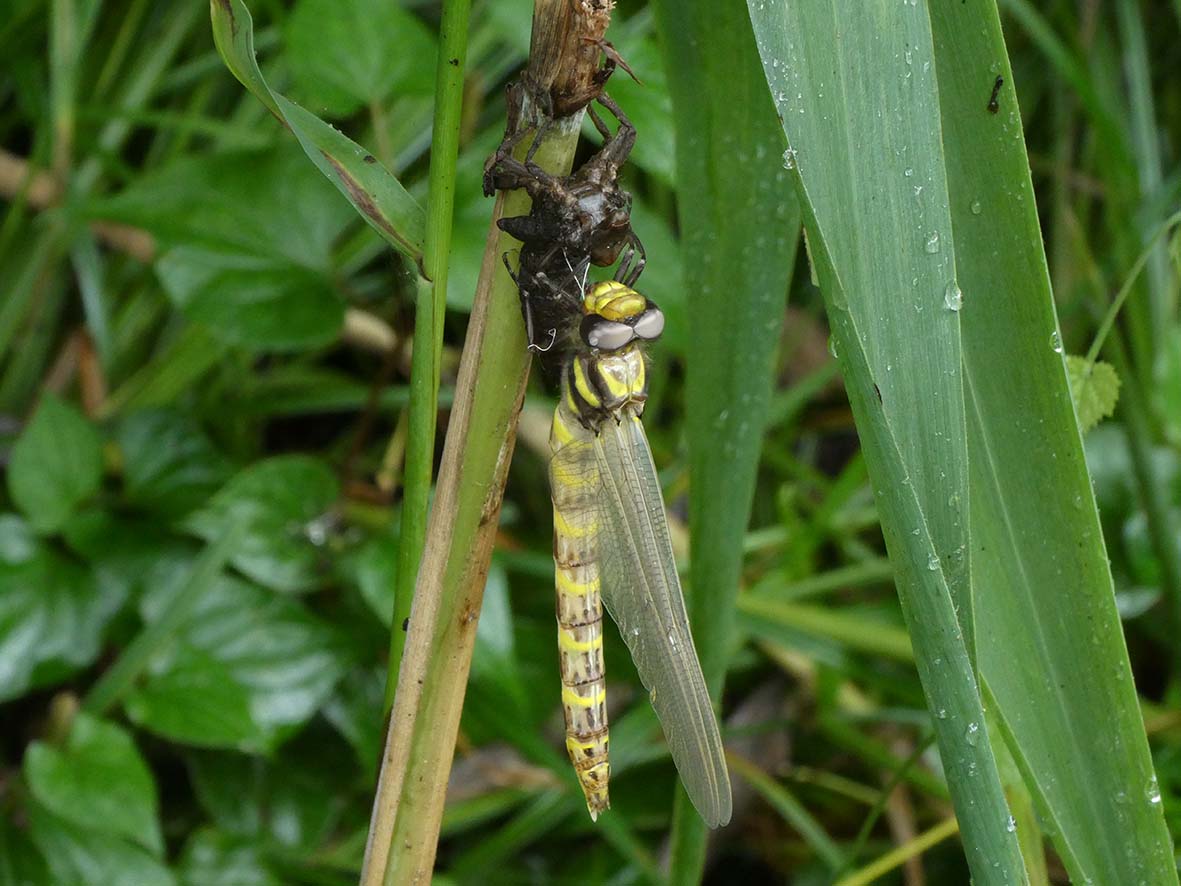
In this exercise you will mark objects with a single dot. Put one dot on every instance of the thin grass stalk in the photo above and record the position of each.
(428, 320)
(420, 740)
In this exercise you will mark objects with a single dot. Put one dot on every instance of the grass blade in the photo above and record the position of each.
(856, 91)
(1042, 586)
(739, 265)
(428, 318)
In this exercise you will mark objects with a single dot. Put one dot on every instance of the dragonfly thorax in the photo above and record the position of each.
(601, 385)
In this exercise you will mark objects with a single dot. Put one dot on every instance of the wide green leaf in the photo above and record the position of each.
(1049, 641)
(170, 466)
(245, 669)
(280, 503)
(374, 192)
(97, 780)
(84, 857)
(52, 611)
(245, 245)
(214, 858)
(345, 55)
(56, 464)
(856, 90)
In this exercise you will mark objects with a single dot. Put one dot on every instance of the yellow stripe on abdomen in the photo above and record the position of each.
(580, 621)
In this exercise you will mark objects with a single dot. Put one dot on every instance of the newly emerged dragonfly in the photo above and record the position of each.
(611, 544)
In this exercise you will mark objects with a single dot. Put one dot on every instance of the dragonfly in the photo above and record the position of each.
(611, 545)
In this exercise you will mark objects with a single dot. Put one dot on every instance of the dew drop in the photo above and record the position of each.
(908, 172)
(941, 713)
(832, 346)
(1011, 825)
(1056, 342)
(789, 158)
(953, 297)
(932, 244)
(1152, 791)
(976, 207)
(972, 734)
(933, 562)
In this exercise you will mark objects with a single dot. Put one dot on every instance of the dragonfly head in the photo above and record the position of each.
(615, 315)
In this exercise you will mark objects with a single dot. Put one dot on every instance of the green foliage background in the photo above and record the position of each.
(204, 357)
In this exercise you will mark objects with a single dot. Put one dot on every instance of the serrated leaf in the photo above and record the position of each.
(82, 857)
(56, 464)
(98, 781)
(347, 54)
(374, 192)
(278, 502)
(1095, 389)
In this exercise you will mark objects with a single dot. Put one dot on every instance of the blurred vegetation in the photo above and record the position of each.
(204, 360)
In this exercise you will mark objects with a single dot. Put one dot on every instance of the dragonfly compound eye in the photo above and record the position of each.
(650, 324)
(605, 335)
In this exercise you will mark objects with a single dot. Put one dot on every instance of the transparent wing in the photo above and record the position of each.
(643, 595)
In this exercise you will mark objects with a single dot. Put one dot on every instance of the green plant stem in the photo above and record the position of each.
(120, 677)
(897, 857)
(1126, 289)
(420, 743)
(428, 322)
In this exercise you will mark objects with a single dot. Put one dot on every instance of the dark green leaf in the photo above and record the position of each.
(197, 701)
(373, 568)
(280, 503)
(20, 862)
(169, 465)
(244, 670)
(56, 464)
(350, 710)
(52, 615)
(375, 194)
(98, 781)
(348, 54)
(292, 801)
(82, 857)
(212, 858)
(246, 245)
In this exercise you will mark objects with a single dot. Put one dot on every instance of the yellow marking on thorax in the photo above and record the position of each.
(583, 386)
(572, 698)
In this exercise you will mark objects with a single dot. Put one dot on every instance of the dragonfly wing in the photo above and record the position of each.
(643, 594)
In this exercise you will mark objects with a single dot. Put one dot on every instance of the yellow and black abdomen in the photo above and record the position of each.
(574, 482)
(595, 387)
